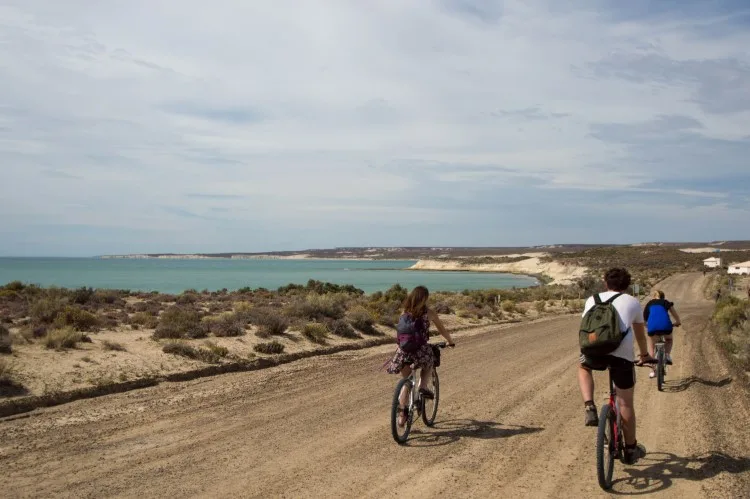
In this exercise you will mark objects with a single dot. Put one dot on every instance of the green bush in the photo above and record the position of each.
(77, 318)
(269, 347)
(82, 296)
(179, 322)
(509, 306)
(730, 315)
(315, 332)
(396, 293)
(273, 324)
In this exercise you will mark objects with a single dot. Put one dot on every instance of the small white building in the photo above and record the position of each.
(714, 262)
(739, 268)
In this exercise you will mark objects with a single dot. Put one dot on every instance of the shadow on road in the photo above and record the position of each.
(680, 385)
(658, 470)
(448, 432)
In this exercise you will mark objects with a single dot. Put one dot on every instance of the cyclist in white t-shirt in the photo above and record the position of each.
(619, 362)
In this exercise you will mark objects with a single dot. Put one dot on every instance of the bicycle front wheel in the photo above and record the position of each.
(401, 433)
(430, 407)
(606, 451)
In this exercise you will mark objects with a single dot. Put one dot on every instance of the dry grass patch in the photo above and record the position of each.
(182, 349)
(145, 320)
(5, 341)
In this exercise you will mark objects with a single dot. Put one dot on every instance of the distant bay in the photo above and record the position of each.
(175, 276)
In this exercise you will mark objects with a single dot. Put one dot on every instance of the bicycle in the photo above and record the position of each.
(661, 362)
(417, 404)
(610, 444)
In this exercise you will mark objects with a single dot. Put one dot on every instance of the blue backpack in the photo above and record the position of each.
(658, 318)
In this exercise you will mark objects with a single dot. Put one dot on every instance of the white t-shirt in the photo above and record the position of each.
(629, 310)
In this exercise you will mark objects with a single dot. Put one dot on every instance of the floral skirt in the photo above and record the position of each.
(422, 358)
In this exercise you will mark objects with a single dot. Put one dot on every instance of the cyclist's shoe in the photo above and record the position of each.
(652, 375)
(631, 456)
(668, 357)
(427, 394)
(592, 419)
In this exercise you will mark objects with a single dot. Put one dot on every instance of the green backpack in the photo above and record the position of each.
(600, 331)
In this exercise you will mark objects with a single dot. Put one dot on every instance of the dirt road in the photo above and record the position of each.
(510, 425)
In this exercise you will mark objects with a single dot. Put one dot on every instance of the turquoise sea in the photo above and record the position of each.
(175, 276)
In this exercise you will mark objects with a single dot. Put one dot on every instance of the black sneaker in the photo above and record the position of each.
(592, 419)
(631, 456)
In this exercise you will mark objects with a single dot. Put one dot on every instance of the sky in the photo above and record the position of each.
(245, 125)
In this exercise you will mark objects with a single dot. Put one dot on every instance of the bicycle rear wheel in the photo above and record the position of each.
(660, 369)
(606, 451)
(401, 433)
(430, 407)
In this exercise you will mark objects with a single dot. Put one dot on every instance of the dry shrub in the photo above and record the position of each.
(269, 347)
(225, 325)
(341, 328)
(113, 346)
(144, 319)
(190, 352)
(217, 350)
(319, 307)
(77, 318)
(540, 306)
(315, 332)
(9, 386)
(62, 339)
(45, 310)
(5, 341)
(108, 296)
(362, 320)
(180, 322)
(509, 306)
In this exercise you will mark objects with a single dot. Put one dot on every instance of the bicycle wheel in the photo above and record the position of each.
(401, 433)
(659, 369)
(430, 407)
(606, 453)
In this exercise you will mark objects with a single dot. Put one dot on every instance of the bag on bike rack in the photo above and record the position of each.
(436, 354)
(600, 331)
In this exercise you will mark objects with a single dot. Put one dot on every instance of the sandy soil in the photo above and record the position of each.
(705, 250)
(510, 424)
(42, 371)
(561, 274)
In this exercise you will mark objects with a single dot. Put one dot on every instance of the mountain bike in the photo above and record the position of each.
(610, 444)
(417, 405)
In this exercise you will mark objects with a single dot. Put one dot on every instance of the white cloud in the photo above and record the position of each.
(118, 114)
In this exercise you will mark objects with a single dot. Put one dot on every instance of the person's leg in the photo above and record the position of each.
(586, 384)
(425, 378)
(627, 412)
(623, 375)
(651, 349)
(668, 345)
(403, 397)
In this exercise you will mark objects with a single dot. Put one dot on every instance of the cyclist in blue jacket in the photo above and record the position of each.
(658, 323)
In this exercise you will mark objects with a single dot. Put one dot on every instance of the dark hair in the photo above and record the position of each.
(617, 279)
(416, 303)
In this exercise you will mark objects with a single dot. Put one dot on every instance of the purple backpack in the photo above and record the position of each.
(411, 333)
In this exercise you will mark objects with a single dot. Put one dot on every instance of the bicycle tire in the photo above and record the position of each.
(431, 406)
(397, 436)
(606, 454)
(660, 370)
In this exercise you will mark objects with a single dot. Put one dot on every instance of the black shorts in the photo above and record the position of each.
(623, 371)
(659, 333)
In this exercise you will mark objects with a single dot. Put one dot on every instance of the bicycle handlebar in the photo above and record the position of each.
(443, 344)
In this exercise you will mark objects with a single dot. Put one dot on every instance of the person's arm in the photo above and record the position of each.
(639, 330)
(646, 311)
(673, 311)
(433, 316)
